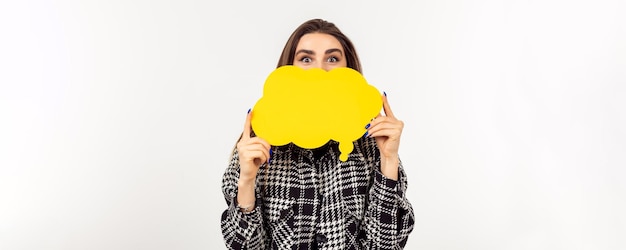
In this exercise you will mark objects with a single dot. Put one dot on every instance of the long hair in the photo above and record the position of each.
(316, 26)
(319, 26)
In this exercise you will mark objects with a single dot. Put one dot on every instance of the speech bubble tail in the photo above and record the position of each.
(343, 157)
(345, 148)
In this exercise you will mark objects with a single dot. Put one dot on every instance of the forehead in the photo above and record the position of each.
(321, 41)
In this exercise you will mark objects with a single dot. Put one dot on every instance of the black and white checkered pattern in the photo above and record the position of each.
(306, 201)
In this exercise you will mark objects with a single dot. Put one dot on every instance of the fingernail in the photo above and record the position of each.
(385, 93)
(249, 110)
(366, 132)
(268, 159)
(367, 126)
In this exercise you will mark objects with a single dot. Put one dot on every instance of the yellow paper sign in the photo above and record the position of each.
(311, 107)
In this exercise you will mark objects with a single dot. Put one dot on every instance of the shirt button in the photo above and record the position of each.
(320, 238)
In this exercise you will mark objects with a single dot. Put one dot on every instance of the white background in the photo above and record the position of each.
(117, 117)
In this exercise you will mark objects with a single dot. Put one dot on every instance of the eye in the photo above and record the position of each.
(306, 60)
(332, 59)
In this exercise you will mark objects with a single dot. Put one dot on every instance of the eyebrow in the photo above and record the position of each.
(328, 51)
(310, 52)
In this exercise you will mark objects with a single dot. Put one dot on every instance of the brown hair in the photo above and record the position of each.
(319, 26)
(316, 26)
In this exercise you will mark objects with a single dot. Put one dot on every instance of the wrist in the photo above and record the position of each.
(389, 161)
(389, 166)
(245, 181)
(246, 195)
(247, 177)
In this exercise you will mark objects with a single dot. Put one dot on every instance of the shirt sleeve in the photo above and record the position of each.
(240, 230)
(389, 217)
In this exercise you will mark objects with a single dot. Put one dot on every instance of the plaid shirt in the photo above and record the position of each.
(306, 201)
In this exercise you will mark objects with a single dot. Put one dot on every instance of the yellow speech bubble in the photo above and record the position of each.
(311, 107)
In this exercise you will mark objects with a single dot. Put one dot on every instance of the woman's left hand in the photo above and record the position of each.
(387, 130)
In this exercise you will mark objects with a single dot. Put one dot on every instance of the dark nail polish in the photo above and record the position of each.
(385, 93)
(249, 110)
(367, 126)
(365, 135)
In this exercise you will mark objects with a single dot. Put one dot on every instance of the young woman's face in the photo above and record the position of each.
(319, 50)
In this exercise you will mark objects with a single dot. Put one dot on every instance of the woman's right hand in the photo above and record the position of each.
(253, 151)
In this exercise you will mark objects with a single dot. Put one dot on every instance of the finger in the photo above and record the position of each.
(380, 119)
(247, 126)
(259, 158)
(252, 146)
(264, 156)
(259, 140)
(260, 154)
(386, 107)
(385, 123)
(256, 151)
(388, 132)
(373, 121)
(382, 126)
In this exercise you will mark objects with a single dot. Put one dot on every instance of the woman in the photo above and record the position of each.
(286, 197)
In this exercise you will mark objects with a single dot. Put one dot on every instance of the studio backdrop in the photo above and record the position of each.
(117, 118)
